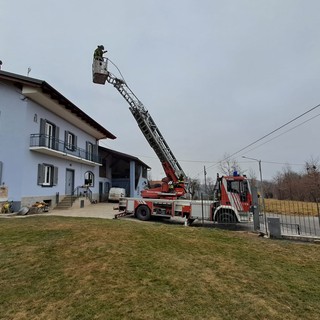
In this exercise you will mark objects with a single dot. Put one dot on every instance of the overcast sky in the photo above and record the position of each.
(215, 75)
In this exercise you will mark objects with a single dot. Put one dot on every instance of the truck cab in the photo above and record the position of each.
(232, 199)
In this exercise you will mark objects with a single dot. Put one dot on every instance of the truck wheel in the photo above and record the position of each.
(226, 217)
(143, 213)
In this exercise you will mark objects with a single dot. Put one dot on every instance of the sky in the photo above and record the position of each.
(215, 75)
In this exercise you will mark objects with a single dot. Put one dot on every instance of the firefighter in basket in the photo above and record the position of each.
(98, 53)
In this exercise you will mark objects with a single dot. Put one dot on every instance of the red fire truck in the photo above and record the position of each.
(232, 195)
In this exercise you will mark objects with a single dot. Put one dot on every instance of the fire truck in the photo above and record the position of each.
(232, 195)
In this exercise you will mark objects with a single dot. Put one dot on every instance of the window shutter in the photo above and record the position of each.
(55, 176)
(42, 140)
(56, 138)
(75, 143)
(87, 150)
(95, 153)
(40, 174)
(66, 139)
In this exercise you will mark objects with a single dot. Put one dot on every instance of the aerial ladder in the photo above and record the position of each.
(232, 196)
(173, 185)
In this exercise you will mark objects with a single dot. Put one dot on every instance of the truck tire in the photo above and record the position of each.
(226, 217)
(143, 213)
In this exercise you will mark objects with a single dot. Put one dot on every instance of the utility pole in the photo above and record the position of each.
(205, 178)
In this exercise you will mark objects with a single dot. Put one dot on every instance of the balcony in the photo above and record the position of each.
(60, 149)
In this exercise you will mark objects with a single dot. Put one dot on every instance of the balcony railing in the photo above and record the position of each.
(61, 148)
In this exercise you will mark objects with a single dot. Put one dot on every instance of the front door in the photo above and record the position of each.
(69, 181)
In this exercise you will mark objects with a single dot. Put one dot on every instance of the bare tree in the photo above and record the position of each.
(194, 187)
(229, 165)
(210, 188)
(290, 185)
(312, 178)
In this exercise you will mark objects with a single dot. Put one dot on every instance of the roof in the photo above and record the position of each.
(43, 93)
(123, 156)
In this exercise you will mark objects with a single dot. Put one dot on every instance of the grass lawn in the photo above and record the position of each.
(73, 268)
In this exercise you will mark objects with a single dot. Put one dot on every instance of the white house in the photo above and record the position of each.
(48, 146)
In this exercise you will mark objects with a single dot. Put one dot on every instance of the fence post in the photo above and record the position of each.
(255, 209)
(202, 208)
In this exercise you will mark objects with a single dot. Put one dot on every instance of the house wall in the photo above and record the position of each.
(12, 142)
(19, 118)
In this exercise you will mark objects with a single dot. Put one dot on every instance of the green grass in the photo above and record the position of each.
(69, 268)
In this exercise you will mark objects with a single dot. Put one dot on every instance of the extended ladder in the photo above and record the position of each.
(145, 122)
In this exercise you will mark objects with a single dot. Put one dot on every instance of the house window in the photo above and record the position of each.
(70, 141)
(47, 175)
(89, 151)
(89, 179)
(49, 134)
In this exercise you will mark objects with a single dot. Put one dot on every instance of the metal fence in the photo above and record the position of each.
(295, 218)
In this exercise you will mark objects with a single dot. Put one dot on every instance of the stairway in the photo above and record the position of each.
(65, 203)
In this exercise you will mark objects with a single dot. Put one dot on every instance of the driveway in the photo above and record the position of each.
(103, 210)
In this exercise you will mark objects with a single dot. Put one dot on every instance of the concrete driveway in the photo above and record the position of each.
(103, 210)
(100, 210)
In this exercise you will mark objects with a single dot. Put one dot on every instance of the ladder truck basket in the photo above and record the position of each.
(100, 71)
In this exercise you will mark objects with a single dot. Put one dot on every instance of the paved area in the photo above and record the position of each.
(100, 210)
(107, 210)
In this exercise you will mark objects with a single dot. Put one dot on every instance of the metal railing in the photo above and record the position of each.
(295, 217)
(83, 191)
(43, 140)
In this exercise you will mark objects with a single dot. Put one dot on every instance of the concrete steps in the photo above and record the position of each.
(65, 203)
(72, 202)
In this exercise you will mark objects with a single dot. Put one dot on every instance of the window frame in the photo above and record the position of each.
(47, 175)
(49, 134)
(70, 141)
(89, 150)
(87, 181)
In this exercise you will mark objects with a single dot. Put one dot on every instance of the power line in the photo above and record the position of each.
(267, 135)
(279, 135)
(280, 163)
(252, 143)
(275, 130)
